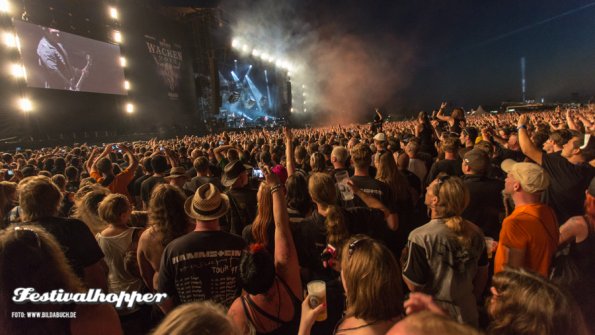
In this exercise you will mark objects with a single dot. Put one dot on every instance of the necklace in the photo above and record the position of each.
(339, 331)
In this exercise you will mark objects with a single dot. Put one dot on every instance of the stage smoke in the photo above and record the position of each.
(346, 74)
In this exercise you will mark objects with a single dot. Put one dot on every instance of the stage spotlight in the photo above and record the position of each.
(113, 13)
(129, 108)
(255, 53)
(25, 105)
(245, 48)
(292, 110)
(235, 43)
(17, 70)
(123, 61)
(117, 36)
(4, 6)
(126, 85)
(9, 39)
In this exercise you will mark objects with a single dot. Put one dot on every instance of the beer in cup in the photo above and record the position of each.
(342, 177)
(317, 296)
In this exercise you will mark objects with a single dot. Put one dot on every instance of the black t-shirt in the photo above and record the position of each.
(311, 233)
(202, 266)
(77, 241)
(147, 186)
(137, 185)
(485, 203)
(198, 181)
(452, 167)
(242, 209)
(375, 188)
(568, 182)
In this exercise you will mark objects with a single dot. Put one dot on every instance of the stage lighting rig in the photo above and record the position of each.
(4, 6)
(25, 105)
(129, 108)
(113, 13)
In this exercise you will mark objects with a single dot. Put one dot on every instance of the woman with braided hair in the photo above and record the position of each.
(447, 257)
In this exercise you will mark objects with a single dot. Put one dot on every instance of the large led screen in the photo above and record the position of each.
(57, 60)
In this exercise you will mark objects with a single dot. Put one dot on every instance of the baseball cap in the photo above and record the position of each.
(532, 177)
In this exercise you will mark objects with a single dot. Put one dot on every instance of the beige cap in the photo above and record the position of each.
(532, 177)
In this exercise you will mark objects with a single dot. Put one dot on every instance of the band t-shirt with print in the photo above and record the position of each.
(202, 266)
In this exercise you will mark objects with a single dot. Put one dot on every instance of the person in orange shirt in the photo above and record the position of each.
(102, 170)
(529, 235)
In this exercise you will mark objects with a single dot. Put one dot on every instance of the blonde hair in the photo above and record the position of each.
(372, 280)
(361, 155)
(264, 215)
(86, 204)
(453, 198)
(166, 212)
(199, 318)
(322, 190)
(528, 304)
(39, 197)
(112, 207)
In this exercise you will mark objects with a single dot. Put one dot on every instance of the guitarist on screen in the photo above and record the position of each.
(58, 71)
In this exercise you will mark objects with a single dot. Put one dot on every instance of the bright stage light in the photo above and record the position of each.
(129, 108)
(245, 48)
(126, 85)
(235, 43)
(123, 61)
(292, 110)
(4, 6)
(9, 39)
(117, 36)
(17, 70)
(25, 105)
(255, 53)
(113, 13)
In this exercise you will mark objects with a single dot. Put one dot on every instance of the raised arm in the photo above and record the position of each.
(392, 219)
(131, 157)
(220, 150)
(527, 146)
(286, 261)
(571, 124)
(440, 115)
(289, 151)
(106, 151)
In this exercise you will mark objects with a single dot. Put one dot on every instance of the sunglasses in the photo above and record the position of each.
(353, 245)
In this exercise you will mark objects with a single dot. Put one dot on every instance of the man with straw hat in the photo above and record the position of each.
(203, 264)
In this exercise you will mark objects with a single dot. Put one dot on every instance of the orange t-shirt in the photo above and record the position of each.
(533, 228)
(120, 182)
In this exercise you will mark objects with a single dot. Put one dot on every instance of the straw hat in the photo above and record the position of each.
(207, 203)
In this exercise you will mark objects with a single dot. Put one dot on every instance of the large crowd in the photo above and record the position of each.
(448, 223)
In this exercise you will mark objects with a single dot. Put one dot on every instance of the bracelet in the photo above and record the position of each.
(521, 127)
(276, 188)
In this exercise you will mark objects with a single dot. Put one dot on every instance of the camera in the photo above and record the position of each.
(257, 173)
(10, 173)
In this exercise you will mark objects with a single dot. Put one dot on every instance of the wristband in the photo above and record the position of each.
(521, 127)
(276, 188)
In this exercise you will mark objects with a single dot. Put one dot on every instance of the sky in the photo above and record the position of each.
(406, 56)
